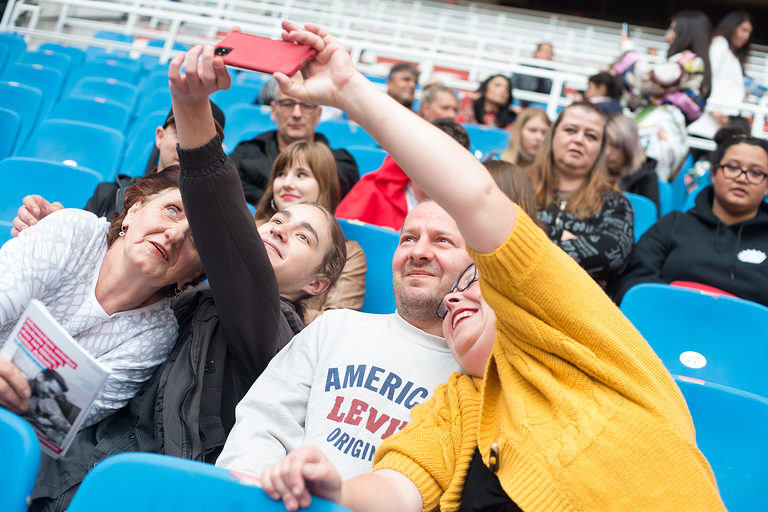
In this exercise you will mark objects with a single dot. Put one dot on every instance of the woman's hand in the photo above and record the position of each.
(327, 75)
(302, 472)
(201, 77)
(14, 389)
(33, 209)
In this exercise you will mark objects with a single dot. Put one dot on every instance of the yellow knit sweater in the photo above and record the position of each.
(584, 414)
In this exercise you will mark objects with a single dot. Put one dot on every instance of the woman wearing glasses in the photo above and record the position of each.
(721, 242)
(573, 410)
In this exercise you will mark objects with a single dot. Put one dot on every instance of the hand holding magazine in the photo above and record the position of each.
(63, 378)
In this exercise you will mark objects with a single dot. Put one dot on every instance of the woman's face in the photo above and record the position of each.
(577, 141)
(670, 35)
(468, 328)
(739, 194)
(615, 157)
(158, 241)
(741, 35)
(497, 91)
(533, 134)
(297, 240)
(295, 184)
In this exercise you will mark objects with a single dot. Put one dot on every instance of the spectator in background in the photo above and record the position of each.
(385, 196)
(544, 51)
(527, 136)
(668, 96)
(625, 160)
(305, 172)
(583, 212)
(728, 52)
(401, 83)
(438, 102)
(267, 92)
(604, 90)
(721, 242)
(491, 105)
(296, 121)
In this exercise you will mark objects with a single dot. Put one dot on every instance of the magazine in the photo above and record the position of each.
(63, 377)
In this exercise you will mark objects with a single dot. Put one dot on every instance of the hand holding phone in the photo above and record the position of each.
(262, 54)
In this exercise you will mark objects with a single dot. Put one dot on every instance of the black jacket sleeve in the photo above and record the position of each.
(346, 168)
(243, 283)
(102, 201)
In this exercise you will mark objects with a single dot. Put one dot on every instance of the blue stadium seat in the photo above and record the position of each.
(109, 68)
(107, 88)
(10, 124)
(245, 122)
(19, 177)
(251, 78)
(159, 99)
(153, 82)
(160, 482)
(21, 459)
(666, 197)
(148, 62)
(77, 144)
(107, 35)
(679, 187)
(26, 102)
(485, 139)
(140, 143)
(704, 336)
(690, 200)
(5, 234)
(97, 111)
(4, 52)
(15, 44)
(236, 95)
(646, 213)
(49, 59)
(731, 430)
(342, 134)
(48, 80)
(75, 54)
(379, 246)
(368, 159)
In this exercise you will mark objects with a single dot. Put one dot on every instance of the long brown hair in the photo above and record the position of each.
(585, 201)
(323, 166)
(514, 153)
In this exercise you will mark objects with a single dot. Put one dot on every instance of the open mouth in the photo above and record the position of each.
(460, 315)
(160, 250)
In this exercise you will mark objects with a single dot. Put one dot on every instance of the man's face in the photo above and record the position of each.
(296, 121)
(544, 52)
(429, 258)
(166, 140)
(402, 87)
(444, 105)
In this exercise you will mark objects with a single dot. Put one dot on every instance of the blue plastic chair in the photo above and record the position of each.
(236, 95)
(108, 88)
(98, 111)
(690, 200)
(160, 482)
(108, 68)
(10, 124)
(245, 122)
(5, 232)
(646, 213)
(21, 459)
(107, 35)
(15, 44)
(704, 336)
(679, 188)
(368, 159)
(4, 53)
(731, 430)
(49, 59)
(379, 246)
(484, 139)
(342, 134)
(159, 99)
(76, 54)
(26, 101)
(77, 144)
(666, 197)
(48, 80)
(153, 82)
(71, 186)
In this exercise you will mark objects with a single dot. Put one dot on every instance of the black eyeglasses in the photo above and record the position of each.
(289, 105)
(467, 279)
(732, 171)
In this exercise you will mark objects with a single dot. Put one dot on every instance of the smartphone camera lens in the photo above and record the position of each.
(220, 50)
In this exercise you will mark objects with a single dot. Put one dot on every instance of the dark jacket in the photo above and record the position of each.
(697, 246)
(644, 182)
(107, 198)
(228, 333)
(254, 158)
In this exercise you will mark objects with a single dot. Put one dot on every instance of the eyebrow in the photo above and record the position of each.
(306, 225)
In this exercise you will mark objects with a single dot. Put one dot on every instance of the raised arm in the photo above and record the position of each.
(448, 173)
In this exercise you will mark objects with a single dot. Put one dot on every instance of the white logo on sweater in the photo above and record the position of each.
(755, 256)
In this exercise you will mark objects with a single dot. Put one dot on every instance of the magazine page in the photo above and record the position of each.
(63, 377)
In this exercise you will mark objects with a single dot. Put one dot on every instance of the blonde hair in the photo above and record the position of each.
(323, 166)
(621, 132)
(587, 200)
(514, 153)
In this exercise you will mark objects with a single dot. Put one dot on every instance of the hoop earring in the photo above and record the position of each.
(122, 231)
(176, 291)
(272, 204)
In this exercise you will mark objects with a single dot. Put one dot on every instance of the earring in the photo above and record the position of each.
(272, 204)
(122, 231)
(176, 291)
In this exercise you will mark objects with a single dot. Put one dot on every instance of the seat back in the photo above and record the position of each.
(485, 139)
(244, 122)
(106, 68)
(26, 101)
(731, 430)
(140, 143)
(107, 88)
(15, 44)
(49, 59)
(368, 159)
(238, 94)
(98, 111)
(146, 481)
(666, 197)
(379, 246)
(21, 459)
(48, 80)
(76, 55)
(702, 335)
(646, 213)
(10, 123)
(342, 134)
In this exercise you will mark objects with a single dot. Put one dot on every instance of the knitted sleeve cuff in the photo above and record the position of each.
(198, 162)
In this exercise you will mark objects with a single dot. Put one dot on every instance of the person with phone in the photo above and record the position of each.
(570, 388)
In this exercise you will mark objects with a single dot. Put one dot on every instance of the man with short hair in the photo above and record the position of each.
(296, 122)
(350, 379)
(439, 102)
(401, 83)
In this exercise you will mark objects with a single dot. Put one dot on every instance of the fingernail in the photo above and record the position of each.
(295, 490)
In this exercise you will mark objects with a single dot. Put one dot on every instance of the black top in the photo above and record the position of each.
(482, 490)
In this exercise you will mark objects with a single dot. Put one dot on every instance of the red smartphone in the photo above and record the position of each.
(263, 54)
